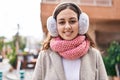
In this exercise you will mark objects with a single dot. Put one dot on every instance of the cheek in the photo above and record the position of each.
(76, 31)
(60, 28)
(76, 27)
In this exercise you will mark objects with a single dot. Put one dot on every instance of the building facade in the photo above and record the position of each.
(104, 18)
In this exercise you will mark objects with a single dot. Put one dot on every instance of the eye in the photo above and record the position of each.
(61, 22)
(72, 21)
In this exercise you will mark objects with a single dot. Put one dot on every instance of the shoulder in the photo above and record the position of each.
(43, 57)
(94, 51)
(93, 54)
(47, 54)
(96, 54)
(44, 53)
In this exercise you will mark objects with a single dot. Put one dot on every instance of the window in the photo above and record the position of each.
(50, 1)
(104, 2)
(96, 2)
(84, 2)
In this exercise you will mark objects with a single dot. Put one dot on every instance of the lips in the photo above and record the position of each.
(68, 33)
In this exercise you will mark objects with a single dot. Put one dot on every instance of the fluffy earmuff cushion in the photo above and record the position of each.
(83, 23)
(51, 26)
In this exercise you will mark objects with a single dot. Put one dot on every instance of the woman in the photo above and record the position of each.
(69, 53)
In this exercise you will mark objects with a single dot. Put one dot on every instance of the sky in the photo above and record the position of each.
(26, 13)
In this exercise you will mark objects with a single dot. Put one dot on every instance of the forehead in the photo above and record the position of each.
(66, 13)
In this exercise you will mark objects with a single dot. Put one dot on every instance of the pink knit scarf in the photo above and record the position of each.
(70, 49)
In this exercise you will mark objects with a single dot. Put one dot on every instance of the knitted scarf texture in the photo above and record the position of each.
(70, 49)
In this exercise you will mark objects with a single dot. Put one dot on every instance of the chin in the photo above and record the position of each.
(68, 38)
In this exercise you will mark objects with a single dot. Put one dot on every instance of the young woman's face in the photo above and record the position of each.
(67, 24)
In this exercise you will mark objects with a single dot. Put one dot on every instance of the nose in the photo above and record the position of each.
(67, 26)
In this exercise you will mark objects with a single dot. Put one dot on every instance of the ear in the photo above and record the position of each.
(83, 23)
(51, 26)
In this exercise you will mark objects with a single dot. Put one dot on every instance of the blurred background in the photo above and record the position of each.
(23, 28)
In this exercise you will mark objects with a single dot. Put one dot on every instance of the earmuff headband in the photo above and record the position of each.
(83, 23)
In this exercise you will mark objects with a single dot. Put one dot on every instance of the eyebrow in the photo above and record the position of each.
(69, 18)
(61, 19)
(72, 18)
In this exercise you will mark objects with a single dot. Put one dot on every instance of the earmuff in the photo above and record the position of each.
(83, 24)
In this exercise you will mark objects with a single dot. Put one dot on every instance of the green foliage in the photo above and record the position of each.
(12, 57)
(1, 43)
(112, 58)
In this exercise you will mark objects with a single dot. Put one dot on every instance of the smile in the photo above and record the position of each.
(68, 33)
